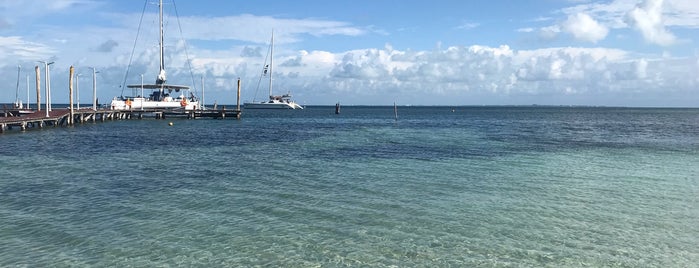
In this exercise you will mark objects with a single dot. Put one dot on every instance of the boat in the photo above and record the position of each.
(18, 107)
(275, 101)
(18, 103)
(161, 93)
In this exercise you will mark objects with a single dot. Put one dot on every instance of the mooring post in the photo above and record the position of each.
(395, 110)
(70, 96)
(237, 115)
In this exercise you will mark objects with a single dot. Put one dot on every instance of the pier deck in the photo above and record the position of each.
(24, 119)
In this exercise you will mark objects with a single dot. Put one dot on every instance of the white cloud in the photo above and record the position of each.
(614, 14)
(498, 72)
(248, 28)
(454, 75)
(468, 25)
(651, 18)
(648, 19)
(15, 48)
(641, 68)
(585, 28)
(549, 32)
(681, 13)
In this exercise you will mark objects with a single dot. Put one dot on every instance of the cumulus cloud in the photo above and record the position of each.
(442, 75)
(641, 67)
(647, 18)
(474, 74)
(585, 28)
(369, 64)
(107, 46)
(681, 13)
(292, 62)
(250, 52)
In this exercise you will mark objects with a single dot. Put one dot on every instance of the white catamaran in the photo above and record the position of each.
(160, 96)
(275, 101)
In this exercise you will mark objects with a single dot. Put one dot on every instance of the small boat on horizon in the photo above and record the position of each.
(275, 101)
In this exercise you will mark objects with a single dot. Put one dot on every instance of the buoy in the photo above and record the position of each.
(170, 124)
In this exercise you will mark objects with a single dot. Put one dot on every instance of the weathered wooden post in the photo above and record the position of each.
(237, 115)
(38, 88)
(70, 96)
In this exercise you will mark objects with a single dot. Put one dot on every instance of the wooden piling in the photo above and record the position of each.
(70, 96)
(238, 101)
(38, 88)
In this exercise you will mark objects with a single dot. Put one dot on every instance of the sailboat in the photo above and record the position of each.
(275, 101)
(160, 97)
(18, 103)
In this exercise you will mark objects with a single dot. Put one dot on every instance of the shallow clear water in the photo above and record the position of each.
(472, 186)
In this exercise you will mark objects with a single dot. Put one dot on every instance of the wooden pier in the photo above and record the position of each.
(23, 119)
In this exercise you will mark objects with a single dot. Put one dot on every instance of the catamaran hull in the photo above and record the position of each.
(137, 104)
(266, 105)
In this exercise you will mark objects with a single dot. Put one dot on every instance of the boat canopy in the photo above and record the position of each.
(158, 86)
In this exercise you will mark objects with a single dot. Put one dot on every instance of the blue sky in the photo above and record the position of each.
(550, 52)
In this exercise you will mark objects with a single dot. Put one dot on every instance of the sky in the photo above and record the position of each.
(637, 53)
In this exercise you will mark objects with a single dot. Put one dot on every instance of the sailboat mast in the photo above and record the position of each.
(162, 39)
(160, 80)
(271, 63)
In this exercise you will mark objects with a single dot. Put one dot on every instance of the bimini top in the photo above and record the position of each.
(158, 86)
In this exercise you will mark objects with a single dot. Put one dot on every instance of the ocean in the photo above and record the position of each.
(438, 187)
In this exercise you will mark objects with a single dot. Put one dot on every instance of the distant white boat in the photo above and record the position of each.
(275, 101)
(160, 97)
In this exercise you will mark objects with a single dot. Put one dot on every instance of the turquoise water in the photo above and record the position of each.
(476, 186)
